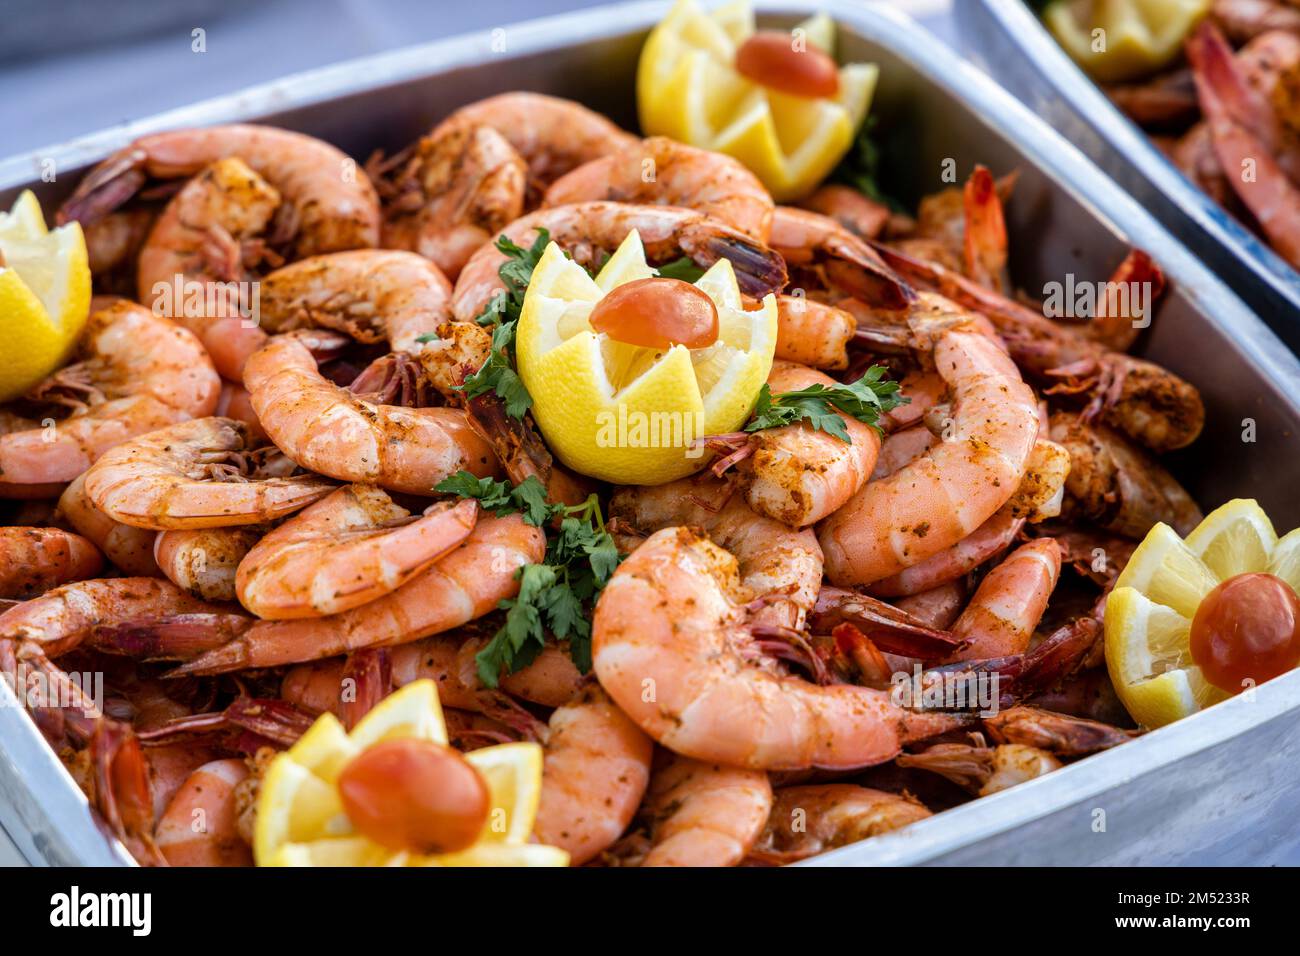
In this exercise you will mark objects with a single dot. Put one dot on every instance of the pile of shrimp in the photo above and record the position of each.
(1228, 116)
(234, 522)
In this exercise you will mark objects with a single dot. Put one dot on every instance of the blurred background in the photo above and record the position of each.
(71, 67)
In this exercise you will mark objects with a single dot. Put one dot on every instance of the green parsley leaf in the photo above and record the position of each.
(500, 497)
(682, 268)
(864, 400)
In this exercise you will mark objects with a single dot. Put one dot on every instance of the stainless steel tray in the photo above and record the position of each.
(1007, 39)
(1215, 788)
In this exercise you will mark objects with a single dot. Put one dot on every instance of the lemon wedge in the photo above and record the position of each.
(300, 816)
(44, 295)
(688, 89)
(624, 413)
(1149, 613)
(1118, 40)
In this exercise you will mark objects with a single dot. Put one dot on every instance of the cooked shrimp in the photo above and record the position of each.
(813, 333)
(673, 646)
(327, 204)
(199, 826)
(466, 584)
(33, 560)
(551, 134)
(373, 295)
(596, 769)
(780, 565)
(116, 614)
(113, 242)
(198, 474)
(985, 238)
(593, 230)
(1243, 19)
(704, 814)
(1114, 484)
(1058, 734)
(954, 562)
(983, 770)
(329, 429)
(347, 549)
(862, 216)
(129, 549)
(823, 255)
(234, 403)
(207, 236)
(203, 560)
(938, 607)
(809, 820)
(1000, 619)
(137, 373)
(944, 495)
(661, 171)
(797, 474)
(1119, 329)
(450, 193)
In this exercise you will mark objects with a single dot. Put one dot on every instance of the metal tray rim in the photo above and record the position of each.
(1041, 145)
(1055, 67)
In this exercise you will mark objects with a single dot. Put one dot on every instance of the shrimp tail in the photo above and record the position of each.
(892, 630)
(105, 188)
(176, 637)
(759, 270)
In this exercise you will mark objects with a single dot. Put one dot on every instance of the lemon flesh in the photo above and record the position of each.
(1149, 613)
(689, 90)
(1119, 40)
(300, 816)
(44, 295)
(628, 414)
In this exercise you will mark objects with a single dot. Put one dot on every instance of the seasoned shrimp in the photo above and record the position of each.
(328, 429)
(597, 766)
(983, 770)
(779, 564)
(1000, 619)
(704, 814)
(33, 560)
(198, 474)
(1116, 485)
(450, 193)
(1058, 734)
(137, 372)
(862, 216)
(661, 171)
(985, 240)
(234, 403)
(813, 333)
(129, 549)
(823, 255)
(948, 492)
(199, 826)
(327, 204)
(937, 607)
(992, 537)
(372, 295)
(672, 643)
(591, 231)
(797, 474)
(347, 549)
(203, 560)
(551, 134)
(464, 585)
(808, 820)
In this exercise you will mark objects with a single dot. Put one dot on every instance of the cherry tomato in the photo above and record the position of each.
(1247, 628)
(657, 313)
(414, 795)
(769, 57)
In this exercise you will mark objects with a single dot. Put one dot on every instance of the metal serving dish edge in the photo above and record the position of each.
(1214, 787)
(1005, 37)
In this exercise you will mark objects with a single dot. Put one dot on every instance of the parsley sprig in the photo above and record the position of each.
(502, 313)
(864, 400)
(556, 595)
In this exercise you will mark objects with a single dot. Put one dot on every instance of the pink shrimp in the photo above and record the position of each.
(137, 372)
(597, 766)
(203, 560)
(823, 255)
(33, 560)
(985, 237)
(129, 549)
(199, 826)
(983, 770)
(947, 493)
(989, 539)
(346, 550)
(672, 644)
(813, 333)
(464, 585)
(862, 216)
(1000, 619)
(704, 814)
(808, 820)
(660, 171)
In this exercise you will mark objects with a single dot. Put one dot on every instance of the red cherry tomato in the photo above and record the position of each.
(414, 795)
(657, 313)
(1247, 629)
(770, 57)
